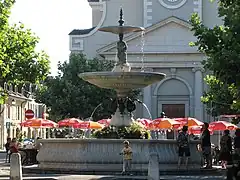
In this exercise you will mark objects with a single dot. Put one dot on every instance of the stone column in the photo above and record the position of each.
(147, 99)
(198, 91)
(16, 167)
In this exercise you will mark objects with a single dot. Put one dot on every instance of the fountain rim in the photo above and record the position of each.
(110, 73)
(121, 29)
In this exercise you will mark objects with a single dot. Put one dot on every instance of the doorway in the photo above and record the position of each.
(174, 110)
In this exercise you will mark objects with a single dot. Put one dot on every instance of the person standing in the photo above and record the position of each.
(127, 158)
(206, 145)
(225, 148)
(7, 147)
(183, 146)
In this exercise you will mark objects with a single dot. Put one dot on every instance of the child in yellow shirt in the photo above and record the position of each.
(127, 157)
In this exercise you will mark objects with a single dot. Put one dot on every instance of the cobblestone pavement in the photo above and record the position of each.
(4, 170)
(92, 177)
(193, 177)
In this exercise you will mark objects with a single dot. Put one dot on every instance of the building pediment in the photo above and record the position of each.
(171, 35)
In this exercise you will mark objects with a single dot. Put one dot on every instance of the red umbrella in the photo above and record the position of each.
(39, 123)
(188, 121)
(88, 125)
(164, 123)
(197, 130)
(105, 122)
(144, 121)
(221, 126)
(69, 122)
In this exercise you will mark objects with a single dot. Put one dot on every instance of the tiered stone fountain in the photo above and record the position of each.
(122, 79)
(103, 154)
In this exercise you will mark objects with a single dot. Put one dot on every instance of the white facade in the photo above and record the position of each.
(12, 113)
(166, 49)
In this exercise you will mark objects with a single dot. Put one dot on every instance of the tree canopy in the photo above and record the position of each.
(221, 44)
(19, 60)
(218, 98)
(69, 96)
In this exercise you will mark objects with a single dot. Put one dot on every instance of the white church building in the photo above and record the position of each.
(165, 49)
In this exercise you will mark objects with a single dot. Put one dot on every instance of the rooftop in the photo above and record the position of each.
(81, 31)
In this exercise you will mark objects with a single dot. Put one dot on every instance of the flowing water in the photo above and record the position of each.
(150, 115)
(94, 111)
(142, 50)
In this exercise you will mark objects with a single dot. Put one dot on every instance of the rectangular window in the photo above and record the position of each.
(18, 113)
(8, 111)
(77, 43)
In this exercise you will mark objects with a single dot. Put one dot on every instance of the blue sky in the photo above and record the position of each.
(52, 20)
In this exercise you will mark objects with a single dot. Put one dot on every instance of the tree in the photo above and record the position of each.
(69, 96)
(218, 98)
(19, 60)
(221, 44)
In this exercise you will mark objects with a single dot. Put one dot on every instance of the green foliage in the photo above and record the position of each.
(221, 44)
(218, 98)
(19, 60)
(69, 96)
(135, 131)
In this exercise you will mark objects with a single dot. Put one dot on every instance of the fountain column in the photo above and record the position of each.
(198, 91)
(147, 98)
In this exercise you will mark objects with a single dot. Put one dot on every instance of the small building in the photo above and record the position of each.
(164, 47)
(12, 113)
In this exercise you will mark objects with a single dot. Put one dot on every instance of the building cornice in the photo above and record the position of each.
(155, 65)
(156, 53)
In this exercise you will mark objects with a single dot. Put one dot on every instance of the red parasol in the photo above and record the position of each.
(222, 125)
(188, 121)
(88, 125)
(105, 122)
(164, 123)
(39, 123)
(144, 121)
(69, 122)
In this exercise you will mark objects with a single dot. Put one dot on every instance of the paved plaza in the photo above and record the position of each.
(90, 177)
(5, 170)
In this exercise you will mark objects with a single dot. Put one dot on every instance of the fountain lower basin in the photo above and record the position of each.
(122, 81)
(103, 154)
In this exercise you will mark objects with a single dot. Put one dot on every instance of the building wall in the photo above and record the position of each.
(145, 13)
(12, 113)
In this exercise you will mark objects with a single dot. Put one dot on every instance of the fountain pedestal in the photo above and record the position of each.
(119, 119)
(103, 154)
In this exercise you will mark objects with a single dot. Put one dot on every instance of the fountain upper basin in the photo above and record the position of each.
(121, 29)
(122, 81)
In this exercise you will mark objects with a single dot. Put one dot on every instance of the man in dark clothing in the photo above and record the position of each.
(7, 147)
(183, 146)
(206, 145)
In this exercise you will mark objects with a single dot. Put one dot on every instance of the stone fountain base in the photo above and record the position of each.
(103, 155)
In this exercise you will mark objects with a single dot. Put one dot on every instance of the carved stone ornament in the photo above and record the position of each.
(172, 4)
